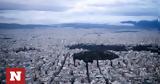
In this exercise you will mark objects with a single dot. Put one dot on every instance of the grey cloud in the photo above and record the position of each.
(59, 11)
(7, 19)
(4, 18)
(138, 12)
(133, 8)
(16, 6)
(131, 3)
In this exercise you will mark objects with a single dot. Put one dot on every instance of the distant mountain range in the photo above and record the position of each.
(144, 23)
(91, 25)
(139, 24)
(73, 25)
(14, 25)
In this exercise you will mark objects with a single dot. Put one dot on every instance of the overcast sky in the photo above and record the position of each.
(84, 11)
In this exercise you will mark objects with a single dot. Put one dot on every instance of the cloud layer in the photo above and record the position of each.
(64, 11)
